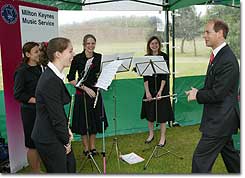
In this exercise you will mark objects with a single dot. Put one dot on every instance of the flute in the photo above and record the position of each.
(160, 97)
(96, 98)
(71, 108)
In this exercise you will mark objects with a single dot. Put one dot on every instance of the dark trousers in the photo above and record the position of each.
(207, 151)
(55, 159)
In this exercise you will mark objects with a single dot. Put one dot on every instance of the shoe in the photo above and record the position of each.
(149, 141)
(176, 124)
(162, 145)
(93, 152)
(86, 153)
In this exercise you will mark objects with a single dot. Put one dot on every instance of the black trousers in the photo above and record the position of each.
(55, 159)
(207, 151)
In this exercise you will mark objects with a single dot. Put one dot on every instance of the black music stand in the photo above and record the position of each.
(124, 61)
(89, 157)
(149, 66)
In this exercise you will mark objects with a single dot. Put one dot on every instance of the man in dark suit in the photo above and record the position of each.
(221, 116)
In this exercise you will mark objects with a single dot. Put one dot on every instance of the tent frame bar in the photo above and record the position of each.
(164, 5)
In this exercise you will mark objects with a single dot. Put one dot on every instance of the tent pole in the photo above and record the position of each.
(167, 37)
(173, 58)
(166, 28)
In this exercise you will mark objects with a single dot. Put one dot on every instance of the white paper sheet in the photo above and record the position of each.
(132, 158)
(125, 57)
(145, 68)
(107, 74)
(86, 69)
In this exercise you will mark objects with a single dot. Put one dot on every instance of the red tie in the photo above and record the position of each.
(211, 57)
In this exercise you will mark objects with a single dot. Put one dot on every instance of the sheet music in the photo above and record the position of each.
(106, 59)
(86, 69)
(132, 158)
(125, 57)
(146, 68)
(127, 60)
(88, 63)
(107, 74)
(161, 67)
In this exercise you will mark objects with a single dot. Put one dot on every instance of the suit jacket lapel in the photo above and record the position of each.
(62, 83)
(215, 61)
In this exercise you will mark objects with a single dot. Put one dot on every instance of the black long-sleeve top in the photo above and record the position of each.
(25, 82)
(78, 65)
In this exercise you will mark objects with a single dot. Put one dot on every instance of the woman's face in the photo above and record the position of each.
(67, 55)
(89, 46)
(33, 55)
(154, 45)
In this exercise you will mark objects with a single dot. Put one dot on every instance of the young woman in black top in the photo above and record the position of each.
(51, 132)
(156, 86)
(83, 108)
(25, 82)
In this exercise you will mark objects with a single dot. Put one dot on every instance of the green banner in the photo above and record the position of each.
(123, 106)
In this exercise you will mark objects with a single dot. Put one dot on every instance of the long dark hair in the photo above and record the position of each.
(56, 44)
(148, 49)
(43, 60)
(27, 49)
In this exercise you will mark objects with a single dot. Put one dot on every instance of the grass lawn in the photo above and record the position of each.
(180, 140)
(186, 64)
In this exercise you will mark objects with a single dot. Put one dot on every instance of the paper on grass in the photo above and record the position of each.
(132, 158)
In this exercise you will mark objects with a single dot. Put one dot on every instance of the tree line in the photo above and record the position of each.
(189, 25)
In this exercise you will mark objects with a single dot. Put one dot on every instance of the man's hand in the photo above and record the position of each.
(70, 135)
(32, 100)
(68, 148)
(191, 94)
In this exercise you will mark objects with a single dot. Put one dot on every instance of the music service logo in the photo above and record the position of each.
(9, 14)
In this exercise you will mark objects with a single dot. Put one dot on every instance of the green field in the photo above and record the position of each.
(186, 64)
(181, 144)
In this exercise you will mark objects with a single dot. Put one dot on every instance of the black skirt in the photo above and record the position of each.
(164, 110)
(28, 115)
(84, 111)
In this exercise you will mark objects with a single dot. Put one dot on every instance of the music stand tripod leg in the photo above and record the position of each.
(90, 156)
(118, 155)
(115, 140)
(156, 114)
(167, 151)
(91, 159)
(115, 144)
(149, 159)
(103, 135)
